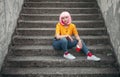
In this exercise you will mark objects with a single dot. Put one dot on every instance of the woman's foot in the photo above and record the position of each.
(69, 56)
(93, 57)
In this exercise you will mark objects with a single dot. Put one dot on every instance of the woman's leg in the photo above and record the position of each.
(72, 44)
(84, 48)
(62, 44)
(90, 56)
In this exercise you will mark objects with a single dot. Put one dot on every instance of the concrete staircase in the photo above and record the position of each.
(31, 53)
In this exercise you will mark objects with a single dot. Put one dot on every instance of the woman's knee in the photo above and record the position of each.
(64, 40)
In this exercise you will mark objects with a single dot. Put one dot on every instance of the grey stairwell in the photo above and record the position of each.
(31, 53)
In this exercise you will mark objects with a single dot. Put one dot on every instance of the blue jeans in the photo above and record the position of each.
(64, 44)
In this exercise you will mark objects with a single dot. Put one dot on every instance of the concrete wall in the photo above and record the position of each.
(111, 13)
(9, 12)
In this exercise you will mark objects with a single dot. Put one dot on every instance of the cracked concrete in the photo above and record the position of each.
(111, 13)
(9, 12)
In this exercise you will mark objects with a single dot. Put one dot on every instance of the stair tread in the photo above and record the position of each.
(56, 58)
(50, 47)
(43, 21)
(59, 2)
(54, 28)
(51, 37)
(48, 10)
(37, 8)
(59, 61)
(56, 14)
(62, 70)
(43, 40)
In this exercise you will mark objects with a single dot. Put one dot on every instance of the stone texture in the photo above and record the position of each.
(9, 12)
(54, 65)
(60, 72)
(111, 13)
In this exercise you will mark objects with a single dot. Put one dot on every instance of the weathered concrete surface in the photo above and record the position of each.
(9, 12)
(111, 13)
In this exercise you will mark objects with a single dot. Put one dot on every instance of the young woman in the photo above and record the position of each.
(63, 38)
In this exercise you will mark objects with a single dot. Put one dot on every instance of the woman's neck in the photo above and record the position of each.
(66, 26)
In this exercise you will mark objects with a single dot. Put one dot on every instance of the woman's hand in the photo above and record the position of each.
(80, 43)
(69, 38)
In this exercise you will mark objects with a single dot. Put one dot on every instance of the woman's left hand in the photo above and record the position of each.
(80, 43)
(69, 38)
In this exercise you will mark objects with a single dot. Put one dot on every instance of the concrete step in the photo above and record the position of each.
(60, 0)
(61, 4)
(31, 53)
(56, 16)
(47, 40)
(47, 50)
(55, 10)
(58, 61)
(51, 31)
(60, 72)
(52, 24)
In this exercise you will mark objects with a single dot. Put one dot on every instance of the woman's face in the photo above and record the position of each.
(65, 20)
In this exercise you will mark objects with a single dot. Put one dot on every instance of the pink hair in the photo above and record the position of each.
(65, 13)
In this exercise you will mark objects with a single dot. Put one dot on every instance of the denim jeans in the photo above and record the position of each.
(64, 44)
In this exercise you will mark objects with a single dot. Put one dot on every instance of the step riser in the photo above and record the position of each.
(52, 52)
(52, 32)
(58, 11)
(52, 25)
(84, 17)
(42, 64)
(60, 75)
(60, 0)
(18, 41)
(69, 5)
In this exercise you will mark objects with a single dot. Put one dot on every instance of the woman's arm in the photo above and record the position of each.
(64, 36)
(60, 36)
(79, 40)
